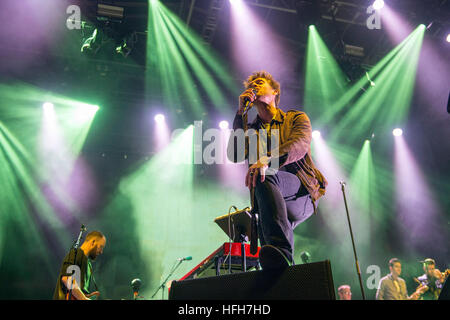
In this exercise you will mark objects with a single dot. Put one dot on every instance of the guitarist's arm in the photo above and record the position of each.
(421, 289)
(76, 291)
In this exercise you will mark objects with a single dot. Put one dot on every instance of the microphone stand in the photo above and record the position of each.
(75, 247)
(163, 284)
(358, 270)
(254, 209)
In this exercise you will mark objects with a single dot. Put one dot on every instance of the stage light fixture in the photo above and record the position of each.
(316, 134)
(378, 4)
(159, 118)
(397, 132)
(223, 125)
(92, 44)
(353, 50)
(108, 12)
(48, 106)
(448, 37)
(87, 110)
(127, 45)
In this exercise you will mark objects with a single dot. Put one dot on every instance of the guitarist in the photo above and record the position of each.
(79, 260)
(432, 279)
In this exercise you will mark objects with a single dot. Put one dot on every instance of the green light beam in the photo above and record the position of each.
(376, 108)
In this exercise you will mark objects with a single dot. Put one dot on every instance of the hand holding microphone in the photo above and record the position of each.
(246, 99)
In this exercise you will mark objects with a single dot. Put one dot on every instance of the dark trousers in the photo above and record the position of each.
(283, 203)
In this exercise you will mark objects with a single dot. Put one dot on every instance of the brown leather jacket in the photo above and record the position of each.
(294, 148)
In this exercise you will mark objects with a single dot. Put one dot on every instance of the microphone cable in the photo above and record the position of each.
(230, 240)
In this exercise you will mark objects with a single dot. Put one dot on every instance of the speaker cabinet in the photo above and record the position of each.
(311, 281)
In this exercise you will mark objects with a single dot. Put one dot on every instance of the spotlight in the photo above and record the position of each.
(87, 111)
(397, 132)
(448, 37)
(159, 118)
(127, 45)
(83, 112)
(92, 44)
(378, 4)
(48, 106)
(235, 1)
(223, 125)
(316, 134)
(370, 138)
(87, 108)
(372, 84)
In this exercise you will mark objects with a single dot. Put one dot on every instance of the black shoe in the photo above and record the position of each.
(271, 257)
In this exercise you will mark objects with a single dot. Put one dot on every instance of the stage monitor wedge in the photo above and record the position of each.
(311, 281)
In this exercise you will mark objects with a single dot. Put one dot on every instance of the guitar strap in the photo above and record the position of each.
(93, 278)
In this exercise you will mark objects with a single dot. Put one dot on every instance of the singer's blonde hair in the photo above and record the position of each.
(265, 75)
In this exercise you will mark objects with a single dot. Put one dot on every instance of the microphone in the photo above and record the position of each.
(247, 103)
(185, 259)
(136, 284)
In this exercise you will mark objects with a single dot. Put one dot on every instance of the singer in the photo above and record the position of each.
(285, 195)
(91, 248)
